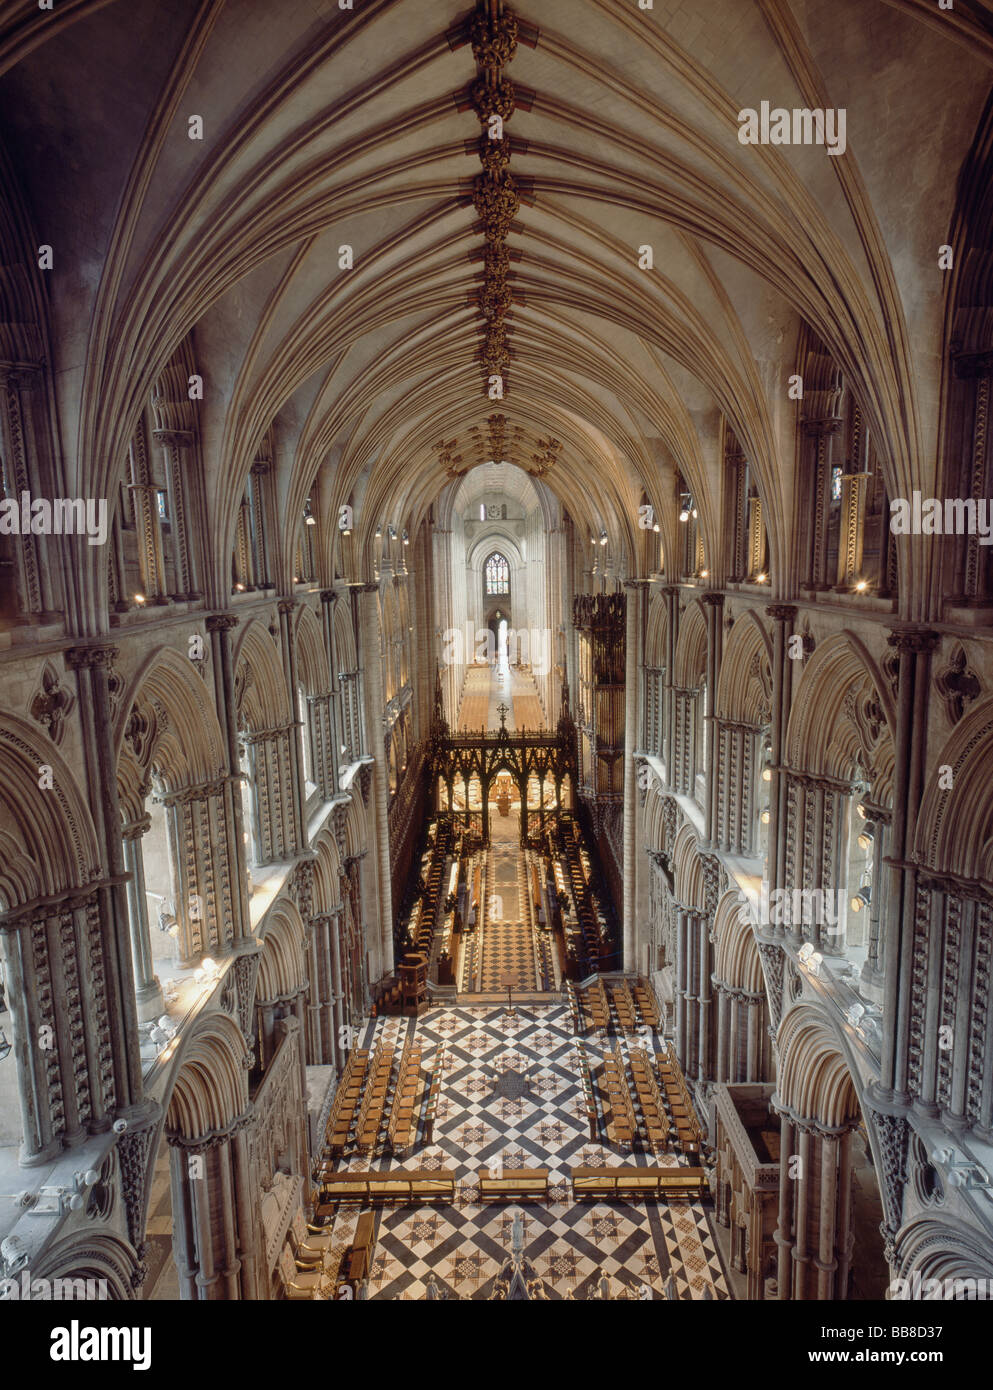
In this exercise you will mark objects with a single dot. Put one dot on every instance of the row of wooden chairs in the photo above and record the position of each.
(432, 895)
(373, 1107)
(620, 997)
(680, 1103)
(586, 919)
(402, 1126)
(622, 1126)
(598, 1006)
(646, 1086)
(346, 1101)
(644, 998)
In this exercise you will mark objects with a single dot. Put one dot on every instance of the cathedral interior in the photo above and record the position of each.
(496, 661)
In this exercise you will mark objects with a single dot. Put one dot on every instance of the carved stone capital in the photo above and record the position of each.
(221, 622)
(90, 657)
(914, 639)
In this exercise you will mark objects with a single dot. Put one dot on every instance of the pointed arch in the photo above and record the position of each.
(691, 648)
(955, 826)
(281, 964)
(168, 719)
(48, 843)
(843, 716)
(210, 1087)
(744, 690)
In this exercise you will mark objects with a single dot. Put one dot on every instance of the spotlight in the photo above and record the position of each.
(861, 809)
(705, 574)
(861, 898)
(861, 586)
(655, 527)
(765, 817)
(603, 538)
(760, 578)
(310, 520)
(684, 514)
(694, 514)
(139, 599)
(767, 774)
(866, 836)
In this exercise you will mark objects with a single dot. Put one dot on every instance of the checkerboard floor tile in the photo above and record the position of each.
(510, 1099)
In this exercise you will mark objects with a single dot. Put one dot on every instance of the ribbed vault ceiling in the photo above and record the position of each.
(325, 127)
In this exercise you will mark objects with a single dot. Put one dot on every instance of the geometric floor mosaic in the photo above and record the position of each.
(510, 1096)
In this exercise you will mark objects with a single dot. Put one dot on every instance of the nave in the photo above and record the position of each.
(504, 580)
(510, 1104)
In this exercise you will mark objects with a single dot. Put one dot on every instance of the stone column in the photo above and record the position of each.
(331, 756)
(372, 669)
(147, 524)
(174, 444)
(109, 928)
(288, 645)
(37, 600)
(821, 432)
(633, 661)
(783, 616)
(713, 602)
(915, 646)
(671, 596)
(219, 626)
(148, 991)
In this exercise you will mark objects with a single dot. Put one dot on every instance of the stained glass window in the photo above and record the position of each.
(836, 484)
(497, 575)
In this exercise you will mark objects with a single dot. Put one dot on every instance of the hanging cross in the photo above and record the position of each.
(503, 711)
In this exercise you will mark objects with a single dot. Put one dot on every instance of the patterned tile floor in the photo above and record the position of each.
(510, 1096)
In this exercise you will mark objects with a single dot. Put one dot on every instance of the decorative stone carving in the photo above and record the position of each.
(492, 98)
(772, 966)
(134, 1150)
(893, 1132)
(493, 39)
(957, 684)
(52, 704)
(245, 971)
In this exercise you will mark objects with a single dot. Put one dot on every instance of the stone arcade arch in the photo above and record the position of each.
(743, 1051)
(168, 740)
(689, 698)
(267, 728)
(215, 1219)
(839, 754)
(819, 1112)
(64, 976)
(742, 714)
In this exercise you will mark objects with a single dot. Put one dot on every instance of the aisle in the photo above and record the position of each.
(506, 942)
(487, 688)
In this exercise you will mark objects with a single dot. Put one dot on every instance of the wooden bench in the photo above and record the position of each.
(396, 1185)
(661, 1184)
(525, 1182)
